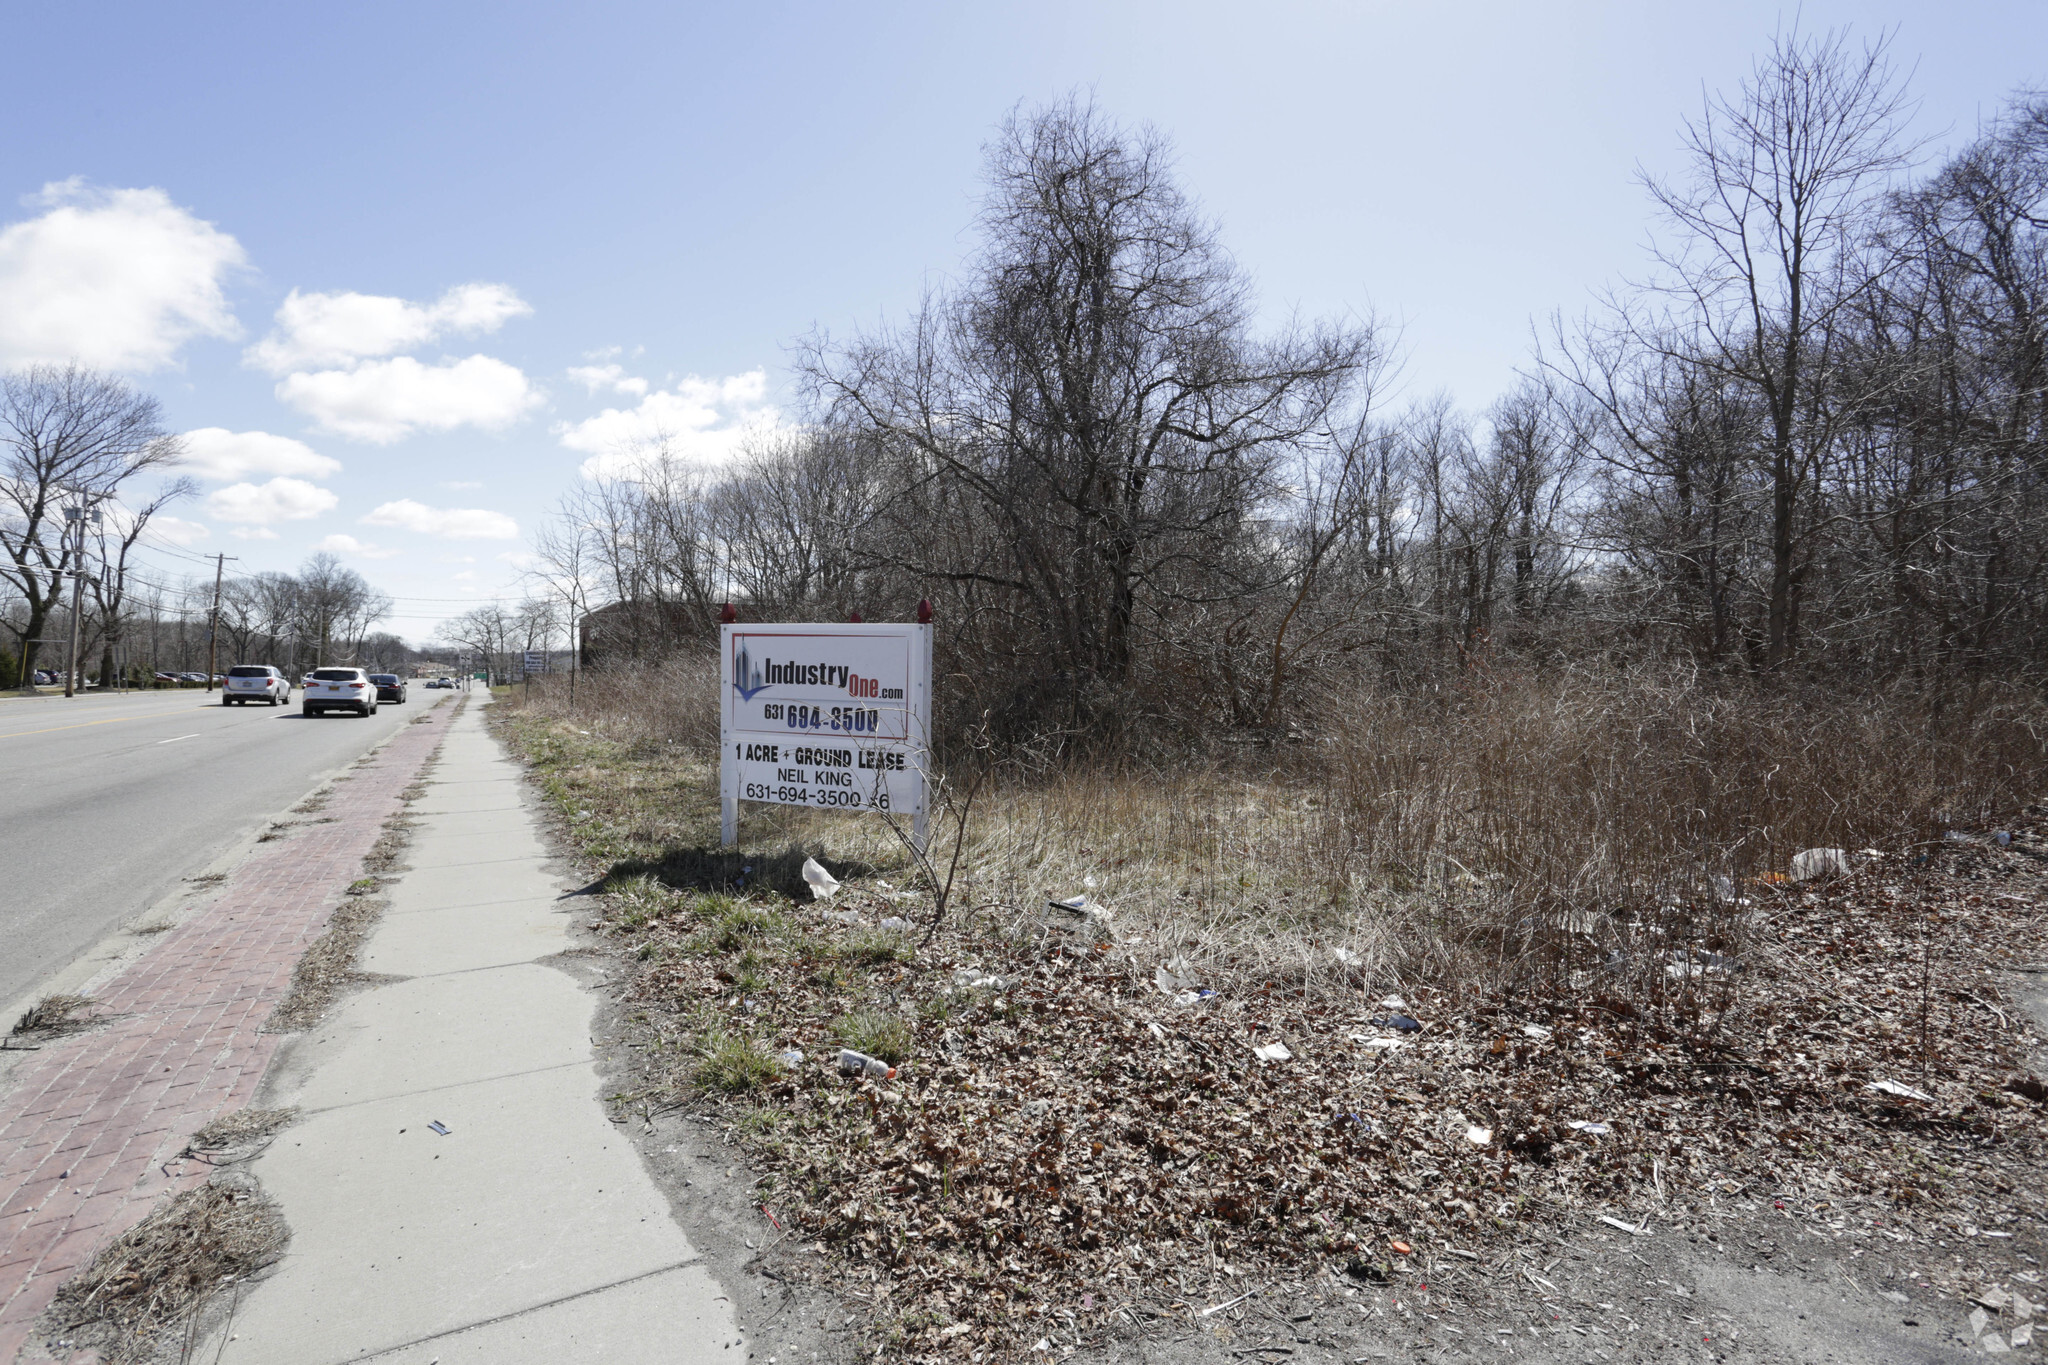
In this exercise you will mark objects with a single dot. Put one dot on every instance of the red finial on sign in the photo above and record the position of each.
(855, 618)
(726, 614)
(924, 611)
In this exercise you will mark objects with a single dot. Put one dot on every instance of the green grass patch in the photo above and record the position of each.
(875, 1032)
(742, 926)
(873, 947)
(733, 1063)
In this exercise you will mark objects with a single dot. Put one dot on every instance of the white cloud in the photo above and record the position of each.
(217, 453)
(315, 330)
(349, 545)
(114, 278)
(702, 420)
(613, 377)
(519, 559)
(452, 523)
(458, 485)
(253, 533)
(177, 530)
(385, 400)
(455, 559)
(281, 499)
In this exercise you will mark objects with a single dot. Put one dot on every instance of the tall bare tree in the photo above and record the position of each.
(1081, 433)
(1773, 222)
(70, 437)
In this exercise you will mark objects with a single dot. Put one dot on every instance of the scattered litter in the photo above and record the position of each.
(1232, 1303)
(1478, 1136)
(1979, 1320)
(1403, 1023)
(1819, 862)
(897, 922)
(824, 886)
(843, 916)
(1393, 1002)
(972, 979)
(1089, 881)
(1402, 1249)
(1384, 1044)
(439, 1127)
(793, 1057)
(2023, 1335)
(1588, 1126)
(1157, 1032)
(1902, 1091)
(1536, 1031)
(1193, 997)
(2002, 837)
(1993, 1299)
(1633, 1228)
(1077, 905)
(1273, 1052)
(1345, 956)
(853, 1063)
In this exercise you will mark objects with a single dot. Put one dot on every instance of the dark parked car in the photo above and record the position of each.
(390, 687)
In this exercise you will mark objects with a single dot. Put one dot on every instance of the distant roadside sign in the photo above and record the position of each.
(835, 717)
(536, 662)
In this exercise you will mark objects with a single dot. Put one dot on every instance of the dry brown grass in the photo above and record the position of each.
(55, 1015)
(157, 1276)
(1493, 836)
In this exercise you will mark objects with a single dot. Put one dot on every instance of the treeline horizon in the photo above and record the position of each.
(1809, 444)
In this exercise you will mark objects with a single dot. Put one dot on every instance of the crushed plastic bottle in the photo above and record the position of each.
(897, 922)
(793, 1057)
(853, 1063)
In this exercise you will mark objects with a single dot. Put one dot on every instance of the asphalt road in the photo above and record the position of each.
(107, 801)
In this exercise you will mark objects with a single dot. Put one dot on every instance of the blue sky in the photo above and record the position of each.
(384, 258)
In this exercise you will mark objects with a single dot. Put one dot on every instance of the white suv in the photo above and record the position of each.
(255, 682)
(338, 689)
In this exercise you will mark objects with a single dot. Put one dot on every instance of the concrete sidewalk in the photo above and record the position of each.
(530, 1232)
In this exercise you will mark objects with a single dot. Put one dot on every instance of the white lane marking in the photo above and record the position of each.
(175, 738)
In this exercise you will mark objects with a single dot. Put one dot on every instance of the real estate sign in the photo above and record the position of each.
(834, 717)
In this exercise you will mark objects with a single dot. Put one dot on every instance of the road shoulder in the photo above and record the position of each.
(92, 1125)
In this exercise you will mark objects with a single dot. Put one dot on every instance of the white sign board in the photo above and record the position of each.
(536, 662)
(834, 717)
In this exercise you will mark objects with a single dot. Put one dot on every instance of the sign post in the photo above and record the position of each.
(835, 717)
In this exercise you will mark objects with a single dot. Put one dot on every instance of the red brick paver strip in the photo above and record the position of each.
(90, 1129)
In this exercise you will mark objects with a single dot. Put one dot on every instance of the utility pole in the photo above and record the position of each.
(75, 516)
(220, 564)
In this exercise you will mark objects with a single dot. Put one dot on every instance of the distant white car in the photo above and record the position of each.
(255, 682)
(338, 689)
